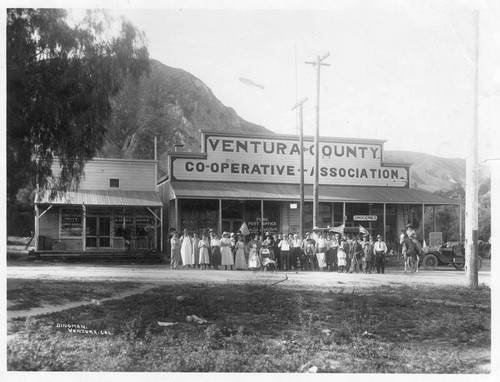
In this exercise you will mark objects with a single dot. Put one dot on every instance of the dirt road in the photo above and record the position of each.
(161, 274)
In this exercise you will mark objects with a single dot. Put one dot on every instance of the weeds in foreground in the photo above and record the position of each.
(286, 330)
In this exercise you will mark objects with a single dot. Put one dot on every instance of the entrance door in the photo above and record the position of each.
(231, 225)
(98, 232)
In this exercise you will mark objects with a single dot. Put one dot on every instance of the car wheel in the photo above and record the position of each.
(430, 261)
(461, 266)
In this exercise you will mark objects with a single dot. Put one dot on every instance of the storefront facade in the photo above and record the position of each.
(115, 208)
(240, 178)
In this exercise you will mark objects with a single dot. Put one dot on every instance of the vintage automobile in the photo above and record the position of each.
(451, 253)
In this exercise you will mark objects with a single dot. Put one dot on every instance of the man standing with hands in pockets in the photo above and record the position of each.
(380, 249)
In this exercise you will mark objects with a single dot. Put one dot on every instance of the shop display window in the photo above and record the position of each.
(71, 223)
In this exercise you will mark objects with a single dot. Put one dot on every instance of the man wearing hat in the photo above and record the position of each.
(380, 249)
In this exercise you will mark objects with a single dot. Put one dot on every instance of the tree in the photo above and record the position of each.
(60, 78)
(447, 219)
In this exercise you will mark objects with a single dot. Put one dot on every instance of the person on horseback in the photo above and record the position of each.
(410, 232)
(411, 249)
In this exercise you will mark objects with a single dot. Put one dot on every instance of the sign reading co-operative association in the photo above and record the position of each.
(276, 159)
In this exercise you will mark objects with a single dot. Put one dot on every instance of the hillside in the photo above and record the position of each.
(172, 105)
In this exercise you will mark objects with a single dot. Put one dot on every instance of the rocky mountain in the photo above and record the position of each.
(174, 106)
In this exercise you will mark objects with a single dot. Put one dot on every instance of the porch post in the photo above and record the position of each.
(423, 223)
(343, 213)
(177, 223)
(385, 239)
(84, 227)
(333, 213)
(219, 223)
(37, 227)
(161, 229)
(262, 217)
(460, 220)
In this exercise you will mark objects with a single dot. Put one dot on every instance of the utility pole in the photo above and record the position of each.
(471, 191)
(301, 127)
(318, 65)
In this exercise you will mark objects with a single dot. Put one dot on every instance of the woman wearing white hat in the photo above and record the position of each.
(226, 253)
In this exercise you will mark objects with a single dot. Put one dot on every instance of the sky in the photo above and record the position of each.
(402, 71)
(404, 74)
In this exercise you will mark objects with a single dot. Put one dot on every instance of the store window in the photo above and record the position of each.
(338, 214)
(326, 211)
(198, 215)
(254, 220)
(71, 223)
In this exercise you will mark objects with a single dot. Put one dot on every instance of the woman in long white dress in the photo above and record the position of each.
(225, 249)
(203, 246)
(186, 250)
(240, 262)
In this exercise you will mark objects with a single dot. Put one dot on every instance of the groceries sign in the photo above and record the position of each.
(276, 159)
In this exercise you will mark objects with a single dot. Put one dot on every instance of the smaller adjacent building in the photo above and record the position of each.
(115, 208)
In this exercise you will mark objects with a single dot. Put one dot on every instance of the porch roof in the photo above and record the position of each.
(291, 192)
(102, 198)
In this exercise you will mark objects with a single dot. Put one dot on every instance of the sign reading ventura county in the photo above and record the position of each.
(276, 159)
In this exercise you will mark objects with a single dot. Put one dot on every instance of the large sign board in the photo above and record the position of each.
(276, 159)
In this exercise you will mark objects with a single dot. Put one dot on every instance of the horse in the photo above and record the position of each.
(411, 252)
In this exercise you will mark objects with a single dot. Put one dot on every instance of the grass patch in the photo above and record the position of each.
(252, 329)
(24, 294)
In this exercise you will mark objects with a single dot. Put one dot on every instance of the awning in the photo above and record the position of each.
(291, 192)
(102, 198)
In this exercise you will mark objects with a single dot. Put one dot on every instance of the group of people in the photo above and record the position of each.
(318, 251)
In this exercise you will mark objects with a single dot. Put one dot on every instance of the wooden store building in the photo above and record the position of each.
(255, 179)
(116, 208)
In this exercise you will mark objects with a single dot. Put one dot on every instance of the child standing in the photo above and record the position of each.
(342, 257)
(203, 246)
(253, 256)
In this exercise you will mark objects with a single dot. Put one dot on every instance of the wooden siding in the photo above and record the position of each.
(172, 214)
(294, 218)
(137, 175)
